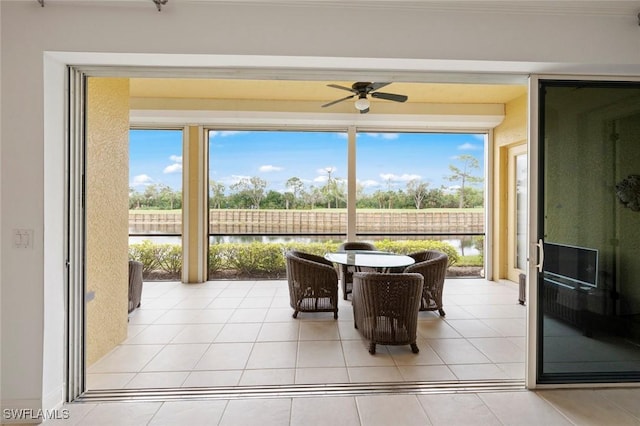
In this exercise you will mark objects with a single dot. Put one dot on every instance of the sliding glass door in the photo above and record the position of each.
(588, 281)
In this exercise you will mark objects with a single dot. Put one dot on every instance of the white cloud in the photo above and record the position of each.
(141, 180)
(369, 183)
(387, 136)
(269, 168)
(236, 178)
(470, 147)
(321, 179)
(224, 134)
(326, 170)
(173, 168)
(406, 177)
(176, 158)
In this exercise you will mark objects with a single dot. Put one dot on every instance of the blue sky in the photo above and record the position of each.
(384, 159)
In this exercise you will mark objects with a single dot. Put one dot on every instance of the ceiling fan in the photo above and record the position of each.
(361, 89)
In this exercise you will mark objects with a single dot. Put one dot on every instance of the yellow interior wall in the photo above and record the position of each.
(107, 203)
(511, 132)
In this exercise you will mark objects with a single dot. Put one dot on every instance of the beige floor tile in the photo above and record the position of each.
(457, 410)
(273, 355)
(108, 380)
(348, 331)
(180, 357)
(384, 410)
(320, 354)
(452, 311)
(277, 376)
(322, 375)
(279, 314)
(319, 330)
(165, 379)
(457, 351)
(213, 378)
(472, 328)
(74, 413)
(197, 333)
(426, 373)
(324, 411)
(356, 354)
(145, 316)
(498, 350)
(437, 330)
(125, 358)
(225, 303)
(589, 407)
(155, 334)
(177, 316)
(121, 413)
(402, 355)
(212, 316)
(279, 332)
(626, 398)
(522, 408)
(238, 332)
(507, 327)
(255, 315)
(193, 302)
(234, 292)
(374, 374)
(158, 303)
(193, 413)
(133, 329)
(478, 371)
(513, 370)
(256, 302)
(225, 356)
(259, 412)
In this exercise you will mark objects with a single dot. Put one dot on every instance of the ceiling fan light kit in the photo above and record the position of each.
(361, 89)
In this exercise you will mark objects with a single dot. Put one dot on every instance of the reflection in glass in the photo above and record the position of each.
(589, 291)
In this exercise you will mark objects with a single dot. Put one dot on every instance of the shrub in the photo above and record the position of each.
(170, 258)
(259, 258)
(410, 246)
(146, 253)
(256, 258)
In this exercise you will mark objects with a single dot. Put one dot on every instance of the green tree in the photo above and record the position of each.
(296, 186)
(216, 194)
(417, 190)
(464, 174)
(253, 188)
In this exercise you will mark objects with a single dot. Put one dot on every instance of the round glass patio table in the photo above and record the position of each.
(382, 261)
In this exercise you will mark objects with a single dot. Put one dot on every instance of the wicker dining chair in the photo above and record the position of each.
(346, 272)
(313, 283)
(432, 265)
(385, 308)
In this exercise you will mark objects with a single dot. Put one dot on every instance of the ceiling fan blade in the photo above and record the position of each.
(389, 96)
(336, 101)
(364, 111)
(376, 86)
(337, 86)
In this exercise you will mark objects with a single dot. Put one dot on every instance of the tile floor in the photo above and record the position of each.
(233, 333)
(597, 407)
(230, 333)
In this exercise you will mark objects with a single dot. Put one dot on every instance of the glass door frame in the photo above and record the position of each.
(534, 255)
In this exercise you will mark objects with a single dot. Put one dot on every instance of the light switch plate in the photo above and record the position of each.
(23, 238)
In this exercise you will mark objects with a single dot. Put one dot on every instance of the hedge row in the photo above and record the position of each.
(259, 258)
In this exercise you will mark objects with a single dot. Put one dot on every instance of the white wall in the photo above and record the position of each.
(185, 34)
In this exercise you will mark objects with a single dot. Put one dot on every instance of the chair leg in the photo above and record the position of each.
(295, 314)
(372, 348)
(414, 348)
(441, 312)
(335, 315)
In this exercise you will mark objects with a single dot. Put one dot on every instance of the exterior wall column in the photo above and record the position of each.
(351, 184)
(195, 217)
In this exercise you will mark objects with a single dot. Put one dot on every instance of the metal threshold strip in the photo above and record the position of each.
(296, 391)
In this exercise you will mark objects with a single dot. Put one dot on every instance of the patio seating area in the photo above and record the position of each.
(236, 333)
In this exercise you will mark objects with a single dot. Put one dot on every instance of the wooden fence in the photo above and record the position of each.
(227, 222)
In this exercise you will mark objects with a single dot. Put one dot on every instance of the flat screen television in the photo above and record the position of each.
(570, 266)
